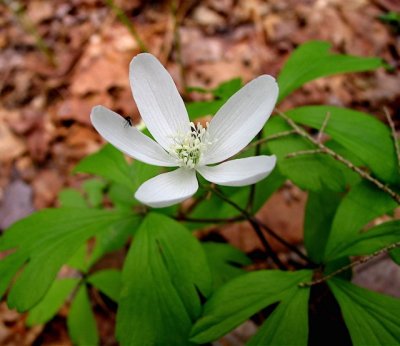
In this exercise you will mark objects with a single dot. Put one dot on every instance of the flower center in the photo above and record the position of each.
(188, 147)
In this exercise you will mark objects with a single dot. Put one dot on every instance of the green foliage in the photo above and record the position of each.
(357, 132)
(94, 189)
(371, 318)
(393, 19)
(107, 281)
(316, 172)
(353, 213)
(239, 299)
(54, 236)
(375, 238)
(221, 94)
(320, 210)
(71, 198)
(225, 262)
(159, 300)
(395, 255)
(313, 60)
(108, 163)
(288, 323)
(81, 323)
(52, 301)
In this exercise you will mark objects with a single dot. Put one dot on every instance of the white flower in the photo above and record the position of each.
(180, 143)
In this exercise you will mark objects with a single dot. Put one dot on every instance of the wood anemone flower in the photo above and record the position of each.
(180, 143)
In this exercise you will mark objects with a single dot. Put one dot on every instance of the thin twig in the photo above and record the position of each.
(351, 265)
(340, 158)
(303, 152)
(322, 129)
(256, 227)
(396, 143)
(291, 247)
(268, 138)
(123, 18)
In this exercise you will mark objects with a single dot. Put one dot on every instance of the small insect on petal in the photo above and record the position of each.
(128, 122)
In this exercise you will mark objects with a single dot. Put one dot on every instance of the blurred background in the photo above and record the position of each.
(60, 58)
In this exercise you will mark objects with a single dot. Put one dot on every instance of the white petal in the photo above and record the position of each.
(115, 129)
(241, 118)
(157, 98)
(168, 188)
(239, 172)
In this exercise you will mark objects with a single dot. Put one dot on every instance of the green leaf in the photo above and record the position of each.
(226, 89)
(9, 266)
(371, 318)
(320, 210)
(164, 270)
(316, 172)
(143, 172)
(351, 177)
(94, 189)
(361, 205)
(71, 198)
(312, 60)
(46, 240)
(395, 255)
(114, 237)
(225, 262)
(199, 109)
(108, 163)
(239, 299)
(107, 281)
(140, 172)
(52, 301)
(222, 93)
(358, 132)
(81, 323)
(288, 323)
(80, 259)
(374, 239)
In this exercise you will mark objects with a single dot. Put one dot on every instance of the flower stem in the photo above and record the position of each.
(252, 193)
(256, 227)
(211, 220)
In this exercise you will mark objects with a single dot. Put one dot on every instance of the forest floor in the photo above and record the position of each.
(60, 58)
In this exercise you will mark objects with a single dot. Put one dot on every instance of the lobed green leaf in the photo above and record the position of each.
(371, 318)
(80, 321)
(313, 60)
(358, 132)
(239, 299)
(163, 273)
